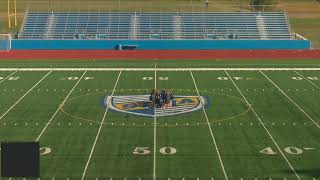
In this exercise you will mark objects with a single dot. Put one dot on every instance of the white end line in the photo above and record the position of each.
(101, 124)
(54, 115)
(265, 128)
(25, 94)
(8, 76)
(212, 135)
(289, 99)
(306, 79)
(155, 127)
(159, 69)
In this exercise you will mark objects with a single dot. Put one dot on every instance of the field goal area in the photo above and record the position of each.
(236, 123)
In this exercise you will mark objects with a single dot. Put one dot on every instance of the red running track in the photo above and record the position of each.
(160, 54)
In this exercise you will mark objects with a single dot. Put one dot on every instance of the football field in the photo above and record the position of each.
(228, 123)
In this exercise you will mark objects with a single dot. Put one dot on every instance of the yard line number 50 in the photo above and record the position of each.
(146, 150)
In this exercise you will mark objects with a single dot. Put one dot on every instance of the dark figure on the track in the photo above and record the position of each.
(153, 97)
(158, 99)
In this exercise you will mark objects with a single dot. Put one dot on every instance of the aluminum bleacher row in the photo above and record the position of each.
(107, 25)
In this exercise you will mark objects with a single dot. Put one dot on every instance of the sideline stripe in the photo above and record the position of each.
(25, 94)
(8, 76)
(209, 125)
(54, 115)
(159, 69)
(265, 128)
(101, 124)
(290, 99)
(306, 79)
(155, 127)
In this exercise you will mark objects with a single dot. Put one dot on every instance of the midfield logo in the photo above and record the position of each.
(140, 105)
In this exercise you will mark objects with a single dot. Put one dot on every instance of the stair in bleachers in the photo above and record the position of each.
(49, 26)
(263, 33)
(134, 27)
(177, 34)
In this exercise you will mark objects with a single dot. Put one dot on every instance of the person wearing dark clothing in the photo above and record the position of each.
(171, 95)
(158, 100)
(167, 100)
(153, 98)
(163, 95)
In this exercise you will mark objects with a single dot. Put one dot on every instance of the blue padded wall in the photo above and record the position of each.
(161, 44)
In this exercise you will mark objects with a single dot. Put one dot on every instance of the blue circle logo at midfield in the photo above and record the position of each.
(142, 106)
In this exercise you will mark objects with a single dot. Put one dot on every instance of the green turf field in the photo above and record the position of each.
(256, 123)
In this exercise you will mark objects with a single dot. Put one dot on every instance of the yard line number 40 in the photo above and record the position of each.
(146, 150)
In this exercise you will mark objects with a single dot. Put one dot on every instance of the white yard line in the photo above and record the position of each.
(158, 69)
(210, 129)
(101, 124)
(306, 79)
(290, 99)
(265, 128)
(24, 95)
(8, 76)
(155, 127)
(54, 115)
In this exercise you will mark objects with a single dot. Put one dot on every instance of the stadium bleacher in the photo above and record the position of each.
(112, 25)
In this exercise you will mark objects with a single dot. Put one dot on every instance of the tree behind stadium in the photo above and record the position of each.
(258, 5)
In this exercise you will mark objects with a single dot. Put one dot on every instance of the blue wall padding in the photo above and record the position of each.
(160, 44)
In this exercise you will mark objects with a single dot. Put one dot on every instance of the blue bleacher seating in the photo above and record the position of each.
(113, 25)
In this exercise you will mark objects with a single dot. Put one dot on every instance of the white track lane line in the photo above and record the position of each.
(8, 76)
(265, 128)
(210, 129)
(25, 95)
(155, 127)
(306, 79)
(54, 115)
(101, 124)
(290, 99)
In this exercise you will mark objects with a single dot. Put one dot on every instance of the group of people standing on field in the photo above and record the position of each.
(161, 99)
